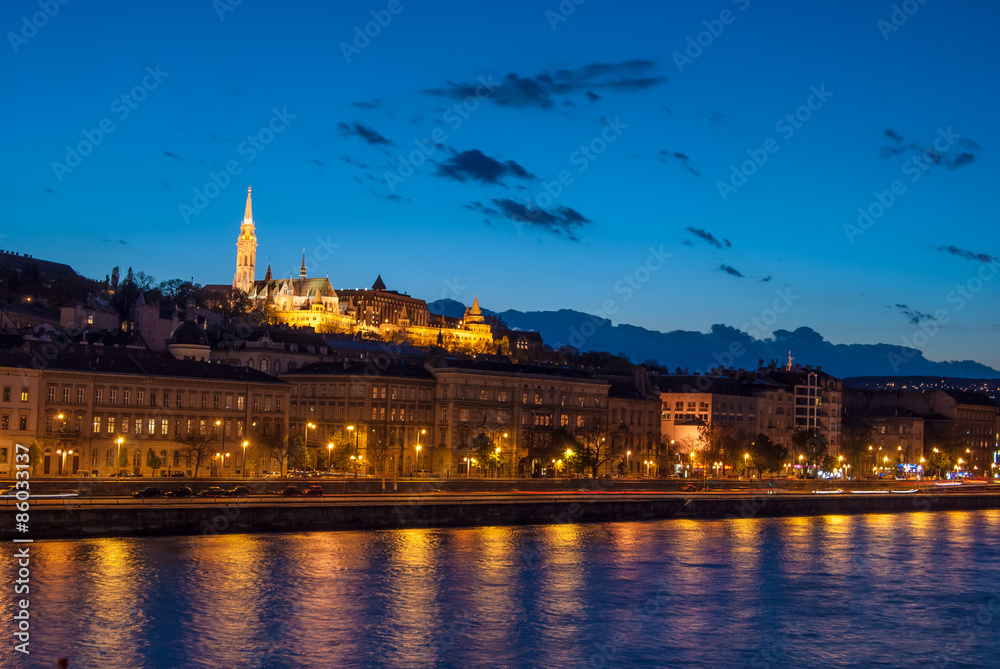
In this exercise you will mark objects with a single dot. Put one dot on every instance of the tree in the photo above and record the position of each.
(767, 455)
(198, 446)
(485, 453)
(153, 460)
(724, 444)
(275, 446)
(298, 454)
(810, 443)
(123, 459)
(854, 444)
(34, 455)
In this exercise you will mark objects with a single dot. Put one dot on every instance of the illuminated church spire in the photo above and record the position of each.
(246, 251)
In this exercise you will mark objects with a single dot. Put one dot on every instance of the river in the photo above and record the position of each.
(894, 590)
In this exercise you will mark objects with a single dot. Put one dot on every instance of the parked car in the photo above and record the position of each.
(314, 491)
(689, 488)
(422, 474)
(238, 491)
(177, 473)
(214, 491)
(148, 492)
(179, 492)
(9, 491)
(290, 491)
(124, 474)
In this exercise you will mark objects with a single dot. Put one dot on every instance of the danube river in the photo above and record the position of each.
(902, 590)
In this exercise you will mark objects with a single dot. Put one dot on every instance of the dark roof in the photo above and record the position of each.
(716, 385)
(189, 333)
(965, 397)
(368, 369)
(514, 369)
(139, 363)
(379, 284)
(20, 263)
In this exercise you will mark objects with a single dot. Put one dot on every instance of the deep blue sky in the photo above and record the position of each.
(451, 230)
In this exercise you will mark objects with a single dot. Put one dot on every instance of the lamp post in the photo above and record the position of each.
(628, 455)
(118, 456)
(222, 429)
(329, 455)
(467, 466)
(840, 459)
(746, 465)
(62, 461)
(417, 459)
(245, 444)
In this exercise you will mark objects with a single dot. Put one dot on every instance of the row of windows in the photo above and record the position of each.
(7, 394)
(162, 399)
(22, 422)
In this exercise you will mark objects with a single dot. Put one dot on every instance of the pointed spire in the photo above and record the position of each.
(789, 360)
(248, 213)
(475, 306)
(379, 284)
(267, 277)
(302, 270)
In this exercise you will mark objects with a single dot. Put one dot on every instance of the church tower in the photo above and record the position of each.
(246, 251)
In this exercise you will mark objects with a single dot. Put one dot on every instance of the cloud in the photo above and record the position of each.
(710, 238)
(668, 156)
(896, 145)
(540, 90)
(560, 221)
(368, 104)
(369, 135)
(968, 255)
(912, 315)
(477, 166)
(592, 96)
(766, 279)
(732, 271)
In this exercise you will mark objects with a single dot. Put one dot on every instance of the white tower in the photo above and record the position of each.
(246, 251)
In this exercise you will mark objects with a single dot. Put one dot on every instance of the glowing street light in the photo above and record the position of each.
(62, 462)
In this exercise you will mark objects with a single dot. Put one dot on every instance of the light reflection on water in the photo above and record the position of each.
(877, 590)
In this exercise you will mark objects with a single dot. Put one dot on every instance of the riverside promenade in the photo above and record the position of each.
(106, 508)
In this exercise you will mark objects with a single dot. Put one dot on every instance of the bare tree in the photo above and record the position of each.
(199, 446)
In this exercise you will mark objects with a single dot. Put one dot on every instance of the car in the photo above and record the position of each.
(124, 474)
(238, 491)
(179, 492)
(213, 491)
(148, 492)
(180, 474)
(290, 491)
(422, 474)
(9, 491)
(689, 488)
(314, 491)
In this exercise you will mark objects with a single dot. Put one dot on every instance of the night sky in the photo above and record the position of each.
(642, 108)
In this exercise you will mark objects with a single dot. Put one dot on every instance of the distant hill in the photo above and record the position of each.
(726, 346)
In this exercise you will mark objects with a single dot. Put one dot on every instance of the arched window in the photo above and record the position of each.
(137, 458)
(277, 366)
(263, 364)
(250, 363)
(177, 458)
(109, 457)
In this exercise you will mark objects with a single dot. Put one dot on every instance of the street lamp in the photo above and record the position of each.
(222, 429)
(62, 462)
(245, 444)
(222, 461)
(746, 464)
(628, 454)
(418, 456)
(118, 455)
(329, 455)
(467, 466)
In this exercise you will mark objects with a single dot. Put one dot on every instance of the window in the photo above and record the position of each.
(277, 404)
(98, 395)
(579, 421)
(484, 395)
(52, 393)
(177, 427)
(6, 393)
(112, 396)
(5, 422)
(502, 396)
(95, 457)
(463, 415)
(177, 401)
(79, 395)
(204, 401)
(23, 423)
(215, 402)
(97, 424)
(564, 420)
(538, 398)
(111, 424)
(374, 392)
(374, 413)
(263, 364)
(109, 457)
(125, 398)
(267, 404)
(240, 402)
(138, 398)
(24, 394)
(229, 402)
(177, 458)
(164, 426)
(256, 404)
